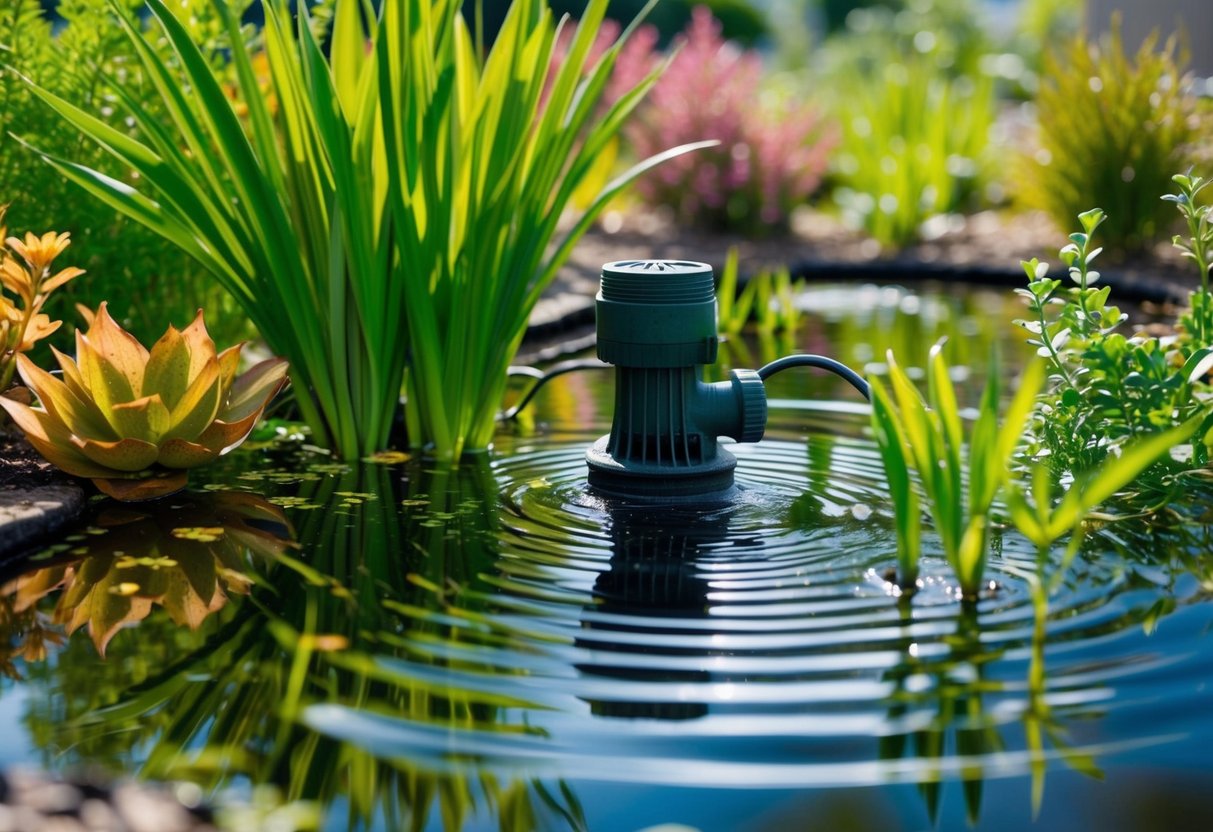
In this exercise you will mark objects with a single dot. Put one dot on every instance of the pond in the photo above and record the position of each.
(494, 647)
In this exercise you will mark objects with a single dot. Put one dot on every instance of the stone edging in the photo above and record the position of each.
(28, 515)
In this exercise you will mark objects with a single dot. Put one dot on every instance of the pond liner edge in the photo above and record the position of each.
(559, 337)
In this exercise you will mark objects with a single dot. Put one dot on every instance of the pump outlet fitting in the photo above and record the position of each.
(657, 325)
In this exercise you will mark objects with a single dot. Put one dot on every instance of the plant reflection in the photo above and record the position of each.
(951, 695)
(382, 551)
(188, 556)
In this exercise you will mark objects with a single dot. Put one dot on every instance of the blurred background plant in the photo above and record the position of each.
(914, 148)
(83, 56)
(1113, 128)
(743, 21)
(774, 147)
(952, 34)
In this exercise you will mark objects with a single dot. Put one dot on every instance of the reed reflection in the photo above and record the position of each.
(324, 621)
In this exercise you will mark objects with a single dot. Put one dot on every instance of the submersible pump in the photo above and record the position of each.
(657, 325)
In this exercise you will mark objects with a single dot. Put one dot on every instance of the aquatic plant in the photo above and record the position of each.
(1112, 130)
(134, 420)
(773, 149)
(1105, 389)
(914, 146)
(398, 209)
(925, 436)
(1043, 520)
(768, 297)
(30, 282)
(1197, 323)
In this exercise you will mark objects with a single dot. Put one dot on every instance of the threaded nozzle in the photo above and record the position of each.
(657, 281)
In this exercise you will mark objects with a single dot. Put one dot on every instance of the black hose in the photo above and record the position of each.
(821, 362)
(541, 378)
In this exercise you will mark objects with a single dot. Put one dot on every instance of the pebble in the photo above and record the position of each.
(34, 801)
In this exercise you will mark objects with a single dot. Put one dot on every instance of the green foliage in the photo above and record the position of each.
(375, 209)
(949, 34)
(1104, 389)
(925, 436)
(914, 147)
(1043, 520)
(1112, 129)
(741, 20)
(1197, 323)
(83, 62)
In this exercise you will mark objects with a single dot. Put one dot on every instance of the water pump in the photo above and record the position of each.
(657, 326)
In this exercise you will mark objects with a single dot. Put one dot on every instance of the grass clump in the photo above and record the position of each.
(922, 444)
(1113, 127)
(915, 143)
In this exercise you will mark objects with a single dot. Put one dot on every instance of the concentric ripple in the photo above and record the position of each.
(755, 642)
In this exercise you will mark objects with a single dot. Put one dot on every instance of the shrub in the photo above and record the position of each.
(1105, 389)
(1112, 130)
(915, 145)
(772, 152)
(88, 61)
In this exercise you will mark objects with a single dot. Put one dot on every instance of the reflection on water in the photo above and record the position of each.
(415, 648)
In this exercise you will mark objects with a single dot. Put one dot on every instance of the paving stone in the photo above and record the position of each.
(28, 515)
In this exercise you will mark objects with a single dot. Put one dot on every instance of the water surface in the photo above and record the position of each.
(495, 647)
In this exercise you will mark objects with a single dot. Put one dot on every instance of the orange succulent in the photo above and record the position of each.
(133, 420)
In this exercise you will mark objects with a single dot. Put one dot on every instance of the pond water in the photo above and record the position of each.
(493, 647)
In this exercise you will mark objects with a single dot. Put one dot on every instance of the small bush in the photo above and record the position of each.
(773, 150)
(85, 60)
(1112, 131)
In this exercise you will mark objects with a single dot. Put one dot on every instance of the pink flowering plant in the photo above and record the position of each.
(773, 150)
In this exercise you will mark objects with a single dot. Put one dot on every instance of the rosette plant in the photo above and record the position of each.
(133, 420)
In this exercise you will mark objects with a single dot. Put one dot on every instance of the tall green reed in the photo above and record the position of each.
(391, 206)
(924, 438)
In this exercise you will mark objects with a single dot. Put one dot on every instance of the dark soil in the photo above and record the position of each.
(22, 467)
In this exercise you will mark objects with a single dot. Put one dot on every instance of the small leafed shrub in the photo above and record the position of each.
(1113, 128)
(773, 150)
(915, 144)
(1105, 388)
(1196, 326)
